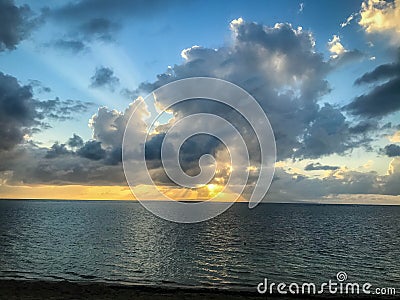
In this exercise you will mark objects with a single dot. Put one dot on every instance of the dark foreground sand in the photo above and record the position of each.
(18, 289)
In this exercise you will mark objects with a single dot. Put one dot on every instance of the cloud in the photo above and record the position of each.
(330, 133)
(70, 45)
(60, 110)
(378, 16)
(301, 8)
(92, 150)
(21, 114)
(394, 167)
(89, 9)
(317, 166)
(101, 20)
(104, 78)
(56, 150)
(392, 150)
(381, 101)
(32, 165)
(108, 127)
(75, 141)
(382, 72)
(348, 20)
(79, 37)
(17, 112)
(391, 185)
(341, 182)
(339, 54)
(38, 86)
(16, 24)
(128, 94)
(395, 138)
(347, 57)
(98, 28)
(336, 47)
(363, 127)
(278, 65)
(94, 162)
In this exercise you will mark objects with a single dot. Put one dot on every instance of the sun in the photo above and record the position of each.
(213, 189)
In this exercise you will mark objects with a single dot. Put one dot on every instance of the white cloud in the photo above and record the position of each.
(378, 16)
(348, 20)
(301, 7)
(395, 138)
(336, 47)
(394, 166)
(339, 54)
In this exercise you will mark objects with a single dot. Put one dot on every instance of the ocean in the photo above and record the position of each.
(118, 241)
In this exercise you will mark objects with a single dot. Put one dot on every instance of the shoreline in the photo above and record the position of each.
(38, 289)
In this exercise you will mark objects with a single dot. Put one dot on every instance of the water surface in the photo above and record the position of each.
(121, 242)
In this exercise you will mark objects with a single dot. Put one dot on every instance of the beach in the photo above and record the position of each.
(65, 290)
(30, 290)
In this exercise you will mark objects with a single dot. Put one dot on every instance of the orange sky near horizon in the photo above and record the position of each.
(85, 192)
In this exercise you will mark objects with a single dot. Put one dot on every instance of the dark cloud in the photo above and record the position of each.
(56, 150)
(104, 77)
(392, 150)
(381, 101)
(277, 65)
(30, 165)
(189, 153)
(327, 134)
(78, 38)
(17, 112)
(128, 94)
(21, 114)
(100, 19)
(114, 156)
(347, 57)
(108, 128)
(365, 127)
(264, 60)
(89, 9)
(70, 45)
(382, 72)
(38, 86)
(153, 147)
(75, 141)
(60, 110)
(16, 24)
(330, 133)
(318, 166)
(99, 28)
(92, 150)
(388, 125)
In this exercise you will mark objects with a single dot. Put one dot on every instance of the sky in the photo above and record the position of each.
(326, 74)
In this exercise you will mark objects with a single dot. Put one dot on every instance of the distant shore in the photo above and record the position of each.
(35, 290)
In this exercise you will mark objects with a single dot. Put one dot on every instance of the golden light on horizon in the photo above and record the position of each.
(213, 189)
